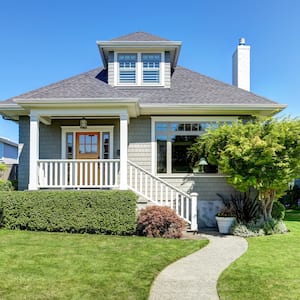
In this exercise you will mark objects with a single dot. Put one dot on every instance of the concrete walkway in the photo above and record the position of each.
(195, 277)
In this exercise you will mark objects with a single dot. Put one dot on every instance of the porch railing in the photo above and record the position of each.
(77, 173)
(161, 192)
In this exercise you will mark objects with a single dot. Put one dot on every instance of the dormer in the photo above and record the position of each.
(139, 59)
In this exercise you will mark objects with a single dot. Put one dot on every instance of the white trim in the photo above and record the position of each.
(179, 119)
(123, 151)
(74, 129)
(34, 151)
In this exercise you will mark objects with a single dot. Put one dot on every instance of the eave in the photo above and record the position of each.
(212, 109)
(172, 46)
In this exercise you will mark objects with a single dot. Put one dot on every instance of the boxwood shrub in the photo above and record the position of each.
(108, 212)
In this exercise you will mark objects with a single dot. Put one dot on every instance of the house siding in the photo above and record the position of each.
(23, 170)
(50, 141)
(207, 188)
(111, 70)
(167, 70)
(139, 142)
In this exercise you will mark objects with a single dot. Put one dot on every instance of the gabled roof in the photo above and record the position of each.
(189, 89)
(139, 36)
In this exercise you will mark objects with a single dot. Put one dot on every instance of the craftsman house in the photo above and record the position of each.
(128, 124)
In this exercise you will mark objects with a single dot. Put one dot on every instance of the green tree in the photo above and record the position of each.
(260, 154)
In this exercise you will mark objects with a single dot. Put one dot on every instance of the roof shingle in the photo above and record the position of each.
(187, 87)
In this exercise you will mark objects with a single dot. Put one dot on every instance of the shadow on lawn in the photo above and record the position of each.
(292, 215)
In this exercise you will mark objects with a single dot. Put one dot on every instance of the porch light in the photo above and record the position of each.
(83, 123)
(202, 163)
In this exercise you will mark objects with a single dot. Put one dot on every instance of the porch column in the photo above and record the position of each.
(123, 150)
(34, 152)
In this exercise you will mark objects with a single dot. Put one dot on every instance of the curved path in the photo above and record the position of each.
(195, 276)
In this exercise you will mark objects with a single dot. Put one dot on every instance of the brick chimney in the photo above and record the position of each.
(241, 66)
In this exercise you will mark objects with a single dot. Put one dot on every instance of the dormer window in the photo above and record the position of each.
(127, 67)
(139, 69)
(151, 67)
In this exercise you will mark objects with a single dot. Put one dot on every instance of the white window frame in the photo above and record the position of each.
(139, 69)
(183, 119)
(74, 129)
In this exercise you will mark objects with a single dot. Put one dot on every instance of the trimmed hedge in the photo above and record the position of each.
(108, 212)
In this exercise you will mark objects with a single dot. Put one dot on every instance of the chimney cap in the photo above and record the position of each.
(242, 41)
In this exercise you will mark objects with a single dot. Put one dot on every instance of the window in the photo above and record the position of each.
(172, 142)
(127, 67)
(151, 67)
(105, 145)
(139, 68)
(69, 146)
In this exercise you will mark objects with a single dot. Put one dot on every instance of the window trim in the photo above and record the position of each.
(185, 119)
(139, 69)
(74, 129)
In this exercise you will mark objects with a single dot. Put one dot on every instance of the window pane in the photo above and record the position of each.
(151, 67)
(127, 66)
(161, 142)
(161, 126)
(69, 152)
(180, 161)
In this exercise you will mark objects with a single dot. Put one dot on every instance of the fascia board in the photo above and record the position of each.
(131, 105)
(232, 109)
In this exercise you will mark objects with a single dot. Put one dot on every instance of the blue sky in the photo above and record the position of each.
(42, 42)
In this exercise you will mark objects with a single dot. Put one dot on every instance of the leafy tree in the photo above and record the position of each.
(260, 154)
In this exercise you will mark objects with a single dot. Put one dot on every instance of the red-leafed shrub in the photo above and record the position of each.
(159, 221)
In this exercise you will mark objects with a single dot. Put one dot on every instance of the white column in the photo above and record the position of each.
(123, 151)
(194, 217)
(34, 152)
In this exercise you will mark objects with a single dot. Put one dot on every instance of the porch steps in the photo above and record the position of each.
(157, 191)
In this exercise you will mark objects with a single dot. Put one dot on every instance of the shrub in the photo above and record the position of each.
(247, 230)
(278, 211)
(6, 185)
(159, 221)
(259, 228)
(245, 206)
(108, 212)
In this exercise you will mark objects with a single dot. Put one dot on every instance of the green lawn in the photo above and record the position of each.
(270, 269)
(39, 265)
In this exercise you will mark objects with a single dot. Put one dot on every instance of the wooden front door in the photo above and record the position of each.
(88, 147)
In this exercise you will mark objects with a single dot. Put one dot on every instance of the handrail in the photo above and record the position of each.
(160, 192)
(159, 179)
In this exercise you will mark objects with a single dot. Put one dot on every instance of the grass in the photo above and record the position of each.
(270, 269)
(39, 265)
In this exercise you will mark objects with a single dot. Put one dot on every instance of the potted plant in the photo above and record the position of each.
(225, 218)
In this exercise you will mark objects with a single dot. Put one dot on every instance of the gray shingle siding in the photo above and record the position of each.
(167, 70)
(139, 142)
(111, 72)
(50, 141)
(23, 170)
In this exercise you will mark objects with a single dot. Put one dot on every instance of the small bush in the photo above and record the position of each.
(259, 228)
(247, 230)
(278, 211)
(244, 206)
(159, 221)
(5, 185)
(108, 212)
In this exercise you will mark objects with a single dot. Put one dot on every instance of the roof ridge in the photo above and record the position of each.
(139, 36)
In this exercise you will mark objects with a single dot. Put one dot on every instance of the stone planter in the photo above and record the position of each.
(224, 224)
